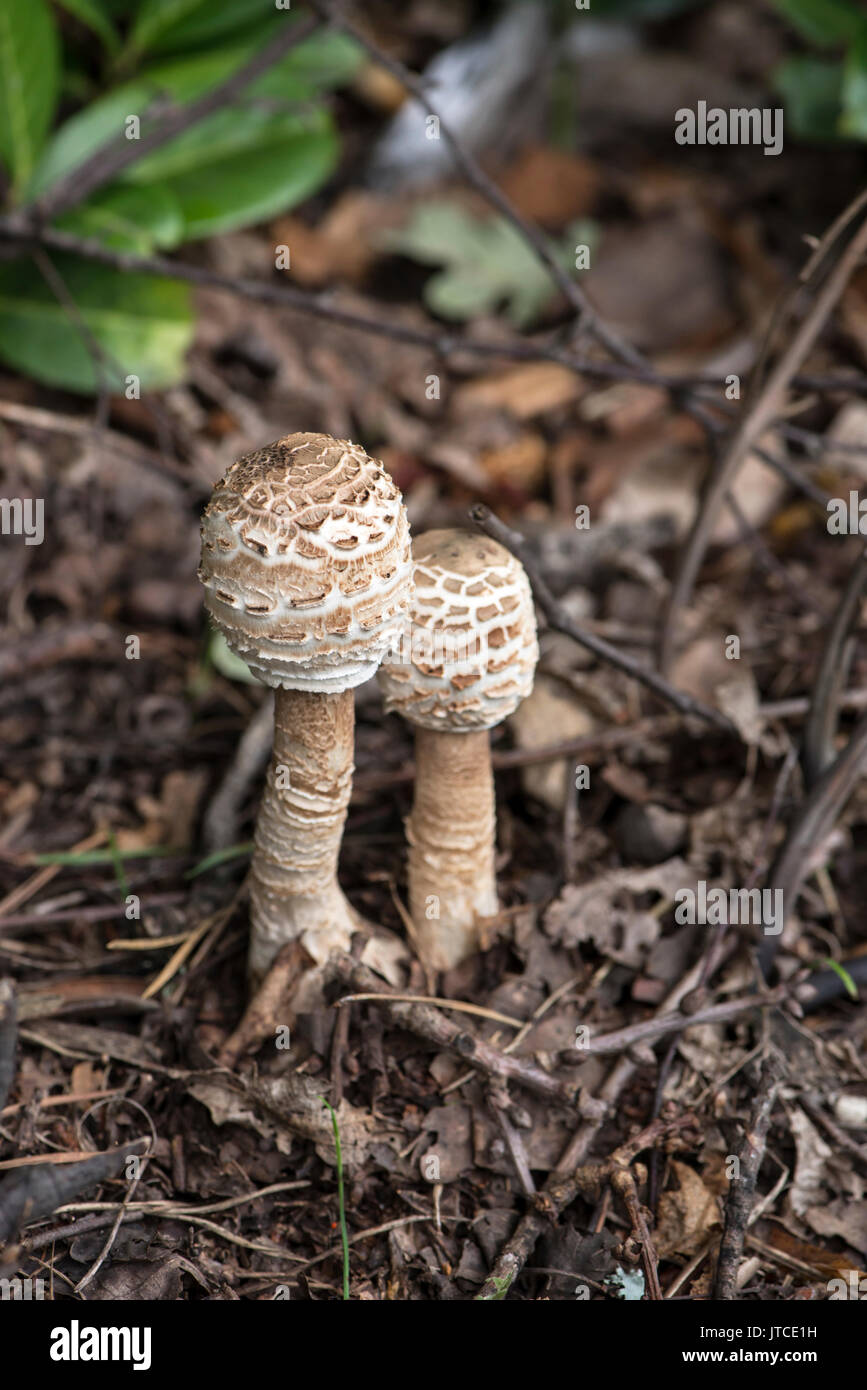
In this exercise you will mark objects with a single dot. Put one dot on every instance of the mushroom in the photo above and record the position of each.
(307, 573)
(472, 659)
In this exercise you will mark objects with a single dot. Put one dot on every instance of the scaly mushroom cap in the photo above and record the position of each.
(306, 562)
(473, 648)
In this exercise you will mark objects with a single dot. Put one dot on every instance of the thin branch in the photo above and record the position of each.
(431, 1024)
(809, 828)
(742, 1189)
(757, 421)
(21, 228)
(560, 619)
(818, 751)
(490, 191)
(655, 1028)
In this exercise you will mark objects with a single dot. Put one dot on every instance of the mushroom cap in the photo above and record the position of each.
(306, 562)
(470, 657)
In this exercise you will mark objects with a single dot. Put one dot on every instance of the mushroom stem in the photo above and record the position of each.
(294, 892)
(451, 844)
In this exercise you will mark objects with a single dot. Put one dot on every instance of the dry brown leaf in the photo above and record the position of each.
(687, 1215)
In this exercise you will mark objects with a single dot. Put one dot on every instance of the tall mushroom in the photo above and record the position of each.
(307, 573)
(472, 659)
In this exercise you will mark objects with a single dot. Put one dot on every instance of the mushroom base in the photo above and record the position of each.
(293, 878)
(451, 832)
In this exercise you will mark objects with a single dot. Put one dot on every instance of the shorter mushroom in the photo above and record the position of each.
(470, 662)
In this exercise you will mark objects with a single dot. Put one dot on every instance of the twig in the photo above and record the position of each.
(94, 1269)
(34, 1193)
(19, 227)
(499, 1103)
(490, 191)
(8, 1038)
(520, 1244)
(742, 1188)
(268, 1006)
(818, 750)
(28, 922)
(654, 1028)
(220, 827)
(810, 826)
(623, 1183)
(81, 426)
(431, 1024)
(560, 619)
(756, 422)
(560, 1191)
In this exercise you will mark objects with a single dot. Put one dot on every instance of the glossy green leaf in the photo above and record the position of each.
(854, 119)
(142, 323)
(156, 18)
(320, 62)
(241, 167)
(129, 218)
(203, 22)
(812, 90)
(824, 22)
(93, 14)
(29, 83)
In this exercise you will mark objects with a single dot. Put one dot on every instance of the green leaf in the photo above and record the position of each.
(487, 262)
(29, 83)
(157, 17)
(241, 167)
(220, 655)
(848, 983)
(320, 62)
(141, 322)
(93, 14)
(129, 219)
(203, 22)
(812, 89)
(221, 856)
(854, 119)
(824, 22)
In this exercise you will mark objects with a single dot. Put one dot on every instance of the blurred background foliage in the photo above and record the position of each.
(73, 72)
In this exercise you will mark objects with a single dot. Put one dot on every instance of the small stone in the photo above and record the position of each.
(650, 833)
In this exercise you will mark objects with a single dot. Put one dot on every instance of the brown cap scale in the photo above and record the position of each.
(307, 573)
(470, 662)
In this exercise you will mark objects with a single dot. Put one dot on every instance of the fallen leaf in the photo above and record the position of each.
(687, 1214)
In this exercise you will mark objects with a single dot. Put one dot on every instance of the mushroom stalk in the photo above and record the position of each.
(451, 831)
(294, 891)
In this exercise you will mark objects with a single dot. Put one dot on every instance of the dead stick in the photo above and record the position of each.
(768, 405)
(436, 1027)
(560, 619)
(743, 1187)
